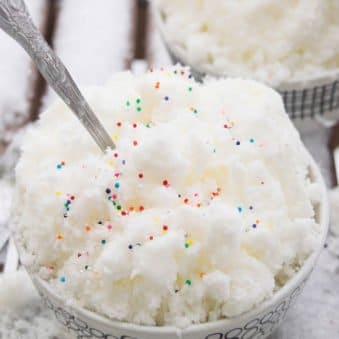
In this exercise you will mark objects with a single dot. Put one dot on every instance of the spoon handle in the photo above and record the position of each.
(16, 22)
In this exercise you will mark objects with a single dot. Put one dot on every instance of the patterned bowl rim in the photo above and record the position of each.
(293, 283)
(297, 84)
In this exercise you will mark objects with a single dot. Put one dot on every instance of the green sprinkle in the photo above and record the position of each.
(187, 245)
(138, 101)
(118, 207)
(139, 109)
(148, 126)
(188, 282)
(86, 267)
(128, 103)
(190, 89)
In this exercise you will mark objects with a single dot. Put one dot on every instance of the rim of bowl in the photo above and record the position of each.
(295, 281)
(179, 53)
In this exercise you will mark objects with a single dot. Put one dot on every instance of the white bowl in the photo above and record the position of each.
(258, 323)
(313, 97)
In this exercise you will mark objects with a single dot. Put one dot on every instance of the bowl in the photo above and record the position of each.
(314, 97)
(258, 323)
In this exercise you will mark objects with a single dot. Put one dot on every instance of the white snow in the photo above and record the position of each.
(156, 50)
(94, 39)
(22, 314)
(15, 77)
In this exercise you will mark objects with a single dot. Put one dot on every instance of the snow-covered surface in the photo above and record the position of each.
(156, 51)
(94, 39)
(22, 314)
(15, 77)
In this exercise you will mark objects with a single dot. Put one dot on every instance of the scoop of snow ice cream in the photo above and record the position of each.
(204, 202)
(272, 41)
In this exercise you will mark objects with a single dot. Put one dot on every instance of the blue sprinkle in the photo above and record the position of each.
(62, 279)
(108, 191)
(237, 143)
(116, 185)
(239, 209)
(124, 162)
(254, 225)
(166, 98)
(251, 207)
(59, 166)
(103, 241)
(252, 140)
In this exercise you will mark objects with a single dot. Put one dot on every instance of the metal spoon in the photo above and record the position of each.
(16, 22)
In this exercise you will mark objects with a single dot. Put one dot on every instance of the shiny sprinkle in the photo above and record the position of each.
(60, 236)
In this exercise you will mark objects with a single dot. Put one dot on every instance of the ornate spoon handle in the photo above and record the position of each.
(16, 22)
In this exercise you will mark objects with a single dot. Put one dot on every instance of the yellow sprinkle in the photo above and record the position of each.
(58, 193)
(270, 227)
(110, 163)
(115, 137)
(156, 219)
(190, 242)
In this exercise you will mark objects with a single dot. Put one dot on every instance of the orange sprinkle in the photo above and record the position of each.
(202, 274)
(88, 228)
(60, 236)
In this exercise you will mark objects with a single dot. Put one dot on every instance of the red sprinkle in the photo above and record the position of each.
(186, 201)
(135, 143)
(62, 163)
(134, 125)
(151, 237)
(114, 196)
(140, 175)
(123, 213)
(157, 85)
(165, 183)
(109, 227)
(165, 228)
(116, 155)
(72, 197)
(119, 124)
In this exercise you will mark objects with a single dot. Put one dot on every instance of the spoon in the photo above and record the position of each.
(16, 22)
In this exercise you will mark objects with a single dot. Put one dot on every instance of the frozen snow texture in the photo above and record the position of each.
(15, 77)
(94, 39)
